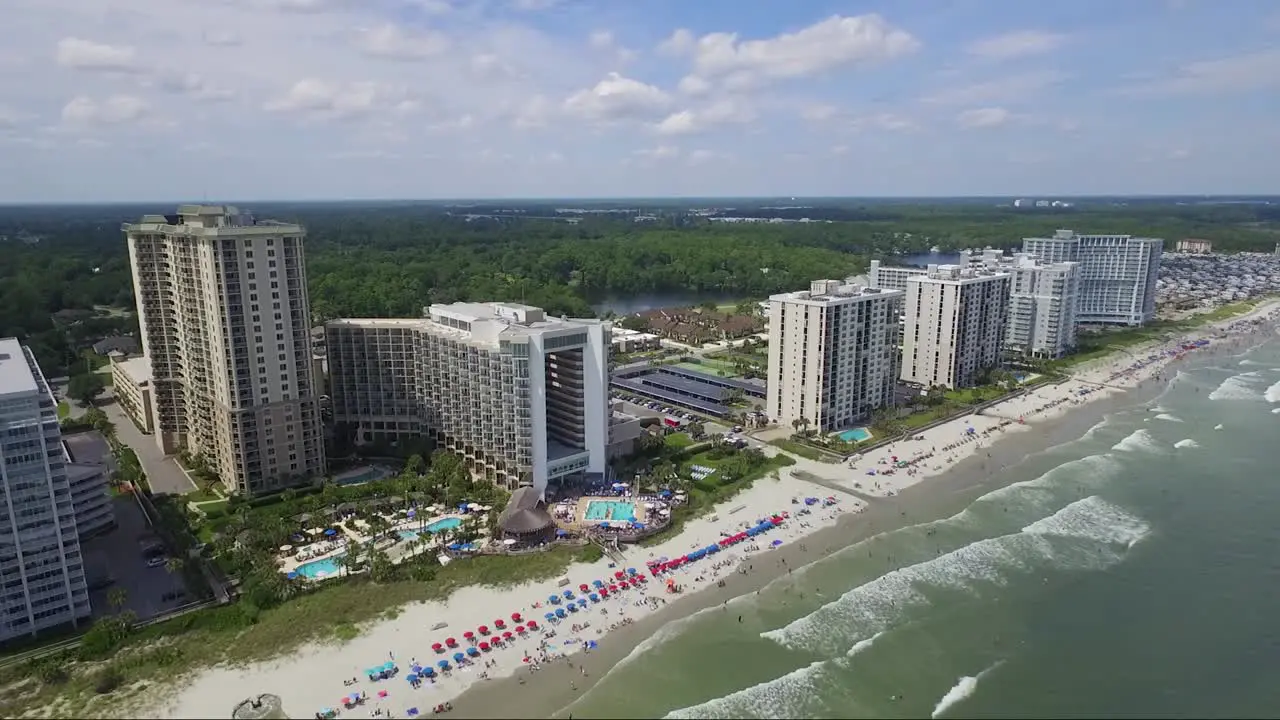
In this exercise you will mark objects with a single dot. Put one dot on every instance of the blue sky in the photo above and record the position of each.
(119, 100)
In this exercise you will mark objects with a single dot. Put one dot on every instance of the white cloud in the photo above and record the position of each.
(983, 118)
(819, 113)
(600, 39)
(661, 152)
(834, 42)
(1017, 86)
(679, 43)
(84, 111)
(1236, 74)
(719, 113)
(702, 157)
(694, 85)
(88, 55)
(535, 5)
(432, 7)
(390, 41)
(618, 98)
(883, 121)
(195, 87)
(320, 99)
(221, 39)
(1017, 44)
(839, 149)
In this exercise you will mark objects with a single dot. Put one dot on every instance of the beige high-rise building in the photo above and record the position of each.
(954, 325)
(833, 354)
(222, 302)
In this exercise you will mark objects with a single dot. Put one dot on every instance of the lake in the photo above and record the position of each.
(626, 305)
(926, 259)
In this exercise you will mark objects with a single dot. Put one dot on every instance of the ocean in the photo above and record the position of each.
(1133, 571)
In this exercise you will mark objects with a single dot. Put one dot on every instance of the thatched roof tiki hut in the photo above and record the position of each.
(525, 519)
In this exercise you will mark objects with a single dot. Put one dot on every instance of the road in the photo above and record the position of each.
(163, 473)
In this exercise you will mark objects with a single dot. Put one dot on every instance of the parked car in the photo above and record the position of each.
(156, 562)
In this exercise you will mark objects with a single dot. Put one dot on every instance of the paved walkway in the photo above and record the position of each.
(163, 473)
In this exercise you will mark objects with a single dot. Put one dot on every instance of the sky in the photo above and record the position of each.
(207, 100)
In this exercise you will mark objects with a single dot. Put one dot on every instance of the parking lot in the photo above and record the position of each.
(115, 560)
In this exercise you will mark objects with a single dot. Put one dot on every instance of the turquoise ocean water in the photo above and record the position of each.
(1132, 572)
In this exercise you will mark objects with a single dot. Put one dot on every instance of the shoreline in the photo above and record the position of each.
(315, 673)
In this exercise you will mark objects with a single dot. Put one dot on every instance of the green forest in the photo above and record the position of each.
(391, 259)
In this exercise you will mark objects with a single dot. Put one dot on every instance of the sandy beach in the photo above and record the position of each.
(318, 675)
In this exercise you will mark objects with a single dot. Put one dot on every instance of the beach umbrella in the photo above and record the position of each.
(411, 678)
(484, 646)
(429, 672)
(582, 601)
(472, 652)
(533, 624)
(573, 608)
(613, 588)
(469, 635)
(619, 575)
(597, 583)
(561, 613)
(776, 543)
(553, 599)
(548, 616)
(520, 629)
(459, 657)
(631, 571)
(437, 647)
(594, 597)
(416, 668)
(584, 587)
(443, 664)
(604, 592)
(507, 635)
(388, 667)
(499, 623)
(382, 693)
(484, 629)
(568, 594)
(451, 642)
(515, 617)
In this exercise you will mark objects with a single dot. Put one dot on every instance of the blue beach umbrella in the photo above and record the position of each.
(550, 616)
(560, 613)
(631, 571)
(597, 583)
(459, 657)
(568, 594)
(582, 601)
(443, 664)
(472, 652)
(573, 608)
(595, 597)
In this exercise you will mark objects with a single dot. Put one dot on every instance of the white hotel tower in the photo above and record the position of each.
(954, 325)
(1118, 273)
(833, 354)
(42, 579)
(523, 397)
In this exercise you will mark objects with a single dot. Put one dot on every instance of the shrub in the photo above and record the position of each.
(107, 680)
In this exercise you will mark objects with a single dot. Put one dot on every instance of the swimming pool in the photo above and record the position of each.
(443, 524)
(357, 477)
(610, 510)
(312, 570)
(855, 435)
(408, 534)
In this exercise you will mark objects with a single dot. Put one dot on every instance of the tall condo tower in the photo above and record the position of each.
(222, 302)
(833, 354)
(1118, 273)
(954, 325)
(40, 562)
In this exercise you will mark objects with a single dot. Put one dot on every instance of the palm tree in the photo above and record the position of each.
(117, 597)
(174, 565)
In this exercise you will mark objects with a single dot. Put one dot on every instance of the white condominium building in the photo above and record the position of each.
(886, 277)
(522, 396)
(833, 354)
(42, 579)
(222, 302)
(1042, 303)
(954, 325)
(1117, 273)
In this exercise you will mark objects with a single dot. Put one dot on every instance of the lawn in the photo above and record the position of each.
(803, 450)
(712, 367)
(705, 495)
(64, 410)
(678, 441)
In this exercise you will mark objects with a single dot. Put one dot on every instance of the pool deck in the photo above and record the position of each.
(354, 532)
(580, 511)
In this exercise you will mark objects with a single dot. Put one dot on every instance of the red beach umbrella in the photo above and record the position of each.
(613, 588)
(451, 642)
(499, 622)
(520, 629)
(619, 575)
(533, 624)
(584, 587)
(469, 635)
(484, 646)
(507, 635)
(484, 629)
(604, 592)
(515, 617)
(437, 647)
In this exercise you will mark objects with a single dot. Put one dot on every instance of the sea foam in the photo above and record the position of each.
(1138, 441)
(1273, 393)
(1236, 387)
(1187, 443)
(961, 691)
(1168, 418)
(1094, 526)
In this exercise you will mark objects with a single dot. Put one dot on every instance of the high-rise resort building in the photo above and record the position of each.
(40, 561)
(954, 325)
(1042, 303)
(222, 302)
(523, 397)
(1118, 273)
(833, 354)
